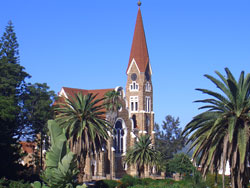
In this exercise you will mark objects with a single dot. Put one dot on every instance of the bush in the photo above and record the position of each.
(150, 183)
(210, 181)
(4, 183)
(106, 184)
(128, 180)
(147, 181)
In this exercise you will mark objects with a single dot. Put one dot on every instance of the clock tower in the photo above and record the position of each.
(139, 88)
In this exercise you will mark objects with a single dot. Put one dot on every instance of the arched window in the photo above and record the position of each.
(119, 137)
(134, 86)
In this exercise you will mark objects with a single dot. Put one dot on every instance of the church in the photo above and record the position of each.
(135, 116)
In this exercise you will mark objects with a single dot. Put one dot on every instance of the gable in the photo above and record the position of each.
(133, 63)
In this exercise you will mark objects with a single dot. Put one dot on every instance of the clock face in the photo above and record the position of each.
(133, 77)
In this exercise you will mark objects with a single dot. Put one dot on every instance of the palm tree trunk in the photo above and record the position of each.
(239, 181)
(224, 161)
(232, 178)
(223, 180)
(111, 118)
(139, 171)
(216, 179)
(81, 165)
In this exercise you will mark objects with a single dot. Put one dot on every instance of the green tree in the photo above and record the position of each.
(168, 138)
(221, 133)
(180, 163)
(37, 109)
(83, 118)
(112, 100)
(12, 82)
(142, 153)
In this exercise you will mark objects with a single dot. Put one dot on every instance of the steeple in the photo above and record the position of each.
(139, 50)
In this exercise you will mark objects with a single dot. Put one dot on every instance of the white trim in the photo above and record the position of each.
(109, 133)
(122, 90)
(150, 68)
(62, 93)
(132, 62)
(132, 134)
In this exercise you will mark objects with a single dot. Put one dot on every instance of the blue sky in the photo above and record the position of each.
(86, 44)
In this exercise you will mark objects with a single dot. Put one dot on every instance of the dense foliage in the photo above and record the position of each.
(106, 184)
(4, 183)
(168, 138)
(36, 110)
(12, 81)
(221, 133)
(134, 182)
(180, 163)
(61, 170)
(15, 93)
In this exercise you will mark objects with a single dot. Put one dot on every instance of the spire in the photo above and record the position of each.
(139, 50)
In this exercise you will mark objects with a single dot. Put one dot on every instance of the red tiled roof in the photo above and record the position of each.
(28, 147)
(100, 92)
(71, 91)
(139, 50)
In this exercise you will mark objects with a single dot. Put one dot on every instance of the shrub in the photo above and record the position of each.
(147, 181)
(128, 180)
(106, 184)
(4, 183)
(210, 181)
(19, 184)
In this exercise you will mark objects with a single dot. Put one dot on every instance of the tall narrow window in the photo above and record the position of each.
(134, 121)
(148, 104)
(119, 136)
(134, 103)
(147, 87)
(147, 123)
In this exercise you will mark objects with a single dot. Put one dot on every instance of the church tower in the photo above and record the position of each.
(139, 88)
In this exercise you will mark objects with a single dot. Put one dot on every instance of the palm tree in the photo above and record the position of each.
(83, 118)
(112, 104)
(221, 133)
(142, 153)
